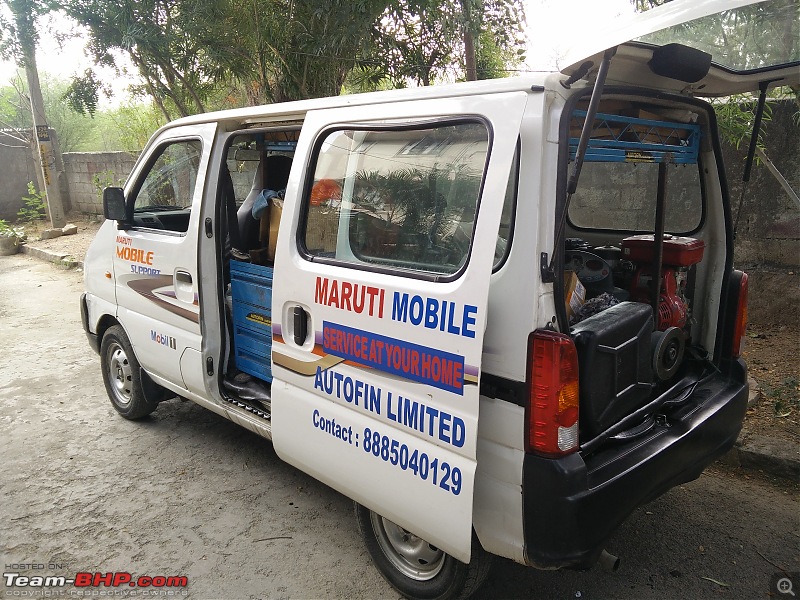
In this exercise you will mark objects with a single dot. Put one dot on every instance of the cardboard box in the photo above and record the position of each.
(666, 134)
(276, 210)
(574, 293)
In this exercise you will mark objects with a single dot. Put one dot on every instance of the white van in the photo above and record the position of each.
(499, 315)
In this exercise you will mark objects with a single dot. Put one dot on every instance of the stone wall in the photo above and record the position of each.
(88, 172)
(769, 221)
(768, 228)
(16, 170)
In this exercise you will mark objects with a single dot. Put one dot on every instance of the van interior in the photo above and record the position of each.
(250, 201)
(639, 295)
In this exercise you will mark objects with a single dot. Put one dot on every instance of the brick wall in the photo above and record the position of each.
(84, 171)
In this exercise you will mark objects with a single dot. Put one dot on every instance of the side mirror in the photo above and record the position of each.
(114, 204)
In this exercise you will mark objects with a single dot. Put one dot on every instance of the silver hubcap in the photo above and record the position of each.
(119, 374)
(411, 555)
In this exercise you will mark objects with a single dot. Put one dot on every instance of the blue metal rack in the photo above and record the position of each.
(615, 138)
(281, 146)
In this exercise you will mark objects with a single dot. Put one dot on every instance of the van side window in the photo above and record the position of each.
(506, 232)
(164, 198)
(400, 198)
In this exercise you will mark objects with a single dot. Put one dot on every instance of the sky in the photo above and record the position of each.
(551, 24)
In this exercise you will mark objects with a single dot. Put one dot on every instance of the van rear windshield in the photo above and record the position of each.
(622, 196)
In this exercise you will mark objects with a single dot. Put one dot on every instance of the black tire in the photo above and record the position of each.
(415, 568)
(130, 396)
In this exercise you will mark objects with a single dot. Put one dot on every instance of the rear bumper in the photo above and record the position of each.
(94, 340)
(572, 506)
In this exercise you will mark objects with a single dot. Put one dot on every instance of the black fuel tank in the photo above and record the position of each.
(615, 367)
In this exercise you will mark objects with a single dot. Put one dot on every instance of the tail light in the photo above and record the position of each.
(740, 323)
(552, 394)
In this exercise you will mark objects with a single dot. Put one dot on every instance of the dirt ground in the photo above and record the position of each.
(187, 493)
(772, 352)
(74, 245)
(772, 347)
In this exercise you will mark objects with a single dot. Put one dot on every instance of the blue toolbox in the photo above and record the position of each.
(251, 293)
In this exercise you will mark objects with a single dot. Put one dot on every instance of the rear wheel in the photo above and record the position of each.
(123, 377)
(416, 568)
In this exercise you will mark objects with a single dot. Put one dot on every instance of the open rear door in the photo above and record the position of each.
(705, 48)
(379, 303)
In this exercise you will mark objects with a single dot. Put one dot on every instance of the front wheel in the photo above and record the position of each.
(416, 568)
(123, 377)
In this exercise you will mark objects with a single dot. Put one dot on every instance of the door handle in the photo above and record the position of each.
(184, 290)
(300, 325)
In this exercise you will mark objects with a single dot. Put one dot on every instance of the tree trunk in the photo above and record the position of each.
(469, 44)
(469, 57)
(41, 136)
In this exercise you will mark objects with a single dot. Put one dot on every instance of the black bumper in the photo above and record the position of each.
(572, 506)
(94, 340)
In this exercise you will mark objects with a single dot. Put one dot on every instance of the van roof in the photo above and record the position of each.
(289, 111)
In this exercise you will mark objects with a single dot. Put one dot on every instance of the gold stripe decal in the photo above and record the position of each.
(302, 367)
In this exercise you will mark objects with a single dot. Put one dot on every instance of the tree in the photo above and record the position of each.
(424, 40)
(14, 114)
(74, 129)
(186, 50)
(19, 40)
(276, 50)
(133, 123)
(289, 50)
(416, 42)
(165, 40)
(493, 61)
(501, 38)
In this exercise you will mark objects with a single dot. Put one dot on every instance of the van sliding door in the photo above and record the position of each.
(379, 303)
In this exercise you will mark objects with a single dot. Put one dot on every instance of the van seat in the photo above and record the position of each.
(271, 174)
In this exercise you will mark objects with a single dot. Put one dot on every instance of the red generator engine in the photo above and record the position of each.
(678, 255)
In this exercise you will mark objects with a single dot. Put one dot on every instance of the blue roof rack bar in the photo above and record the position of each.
(616, 138)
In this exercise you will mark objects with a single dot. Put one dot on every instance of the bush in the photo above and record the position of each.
(34, 209)
(7, 230)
